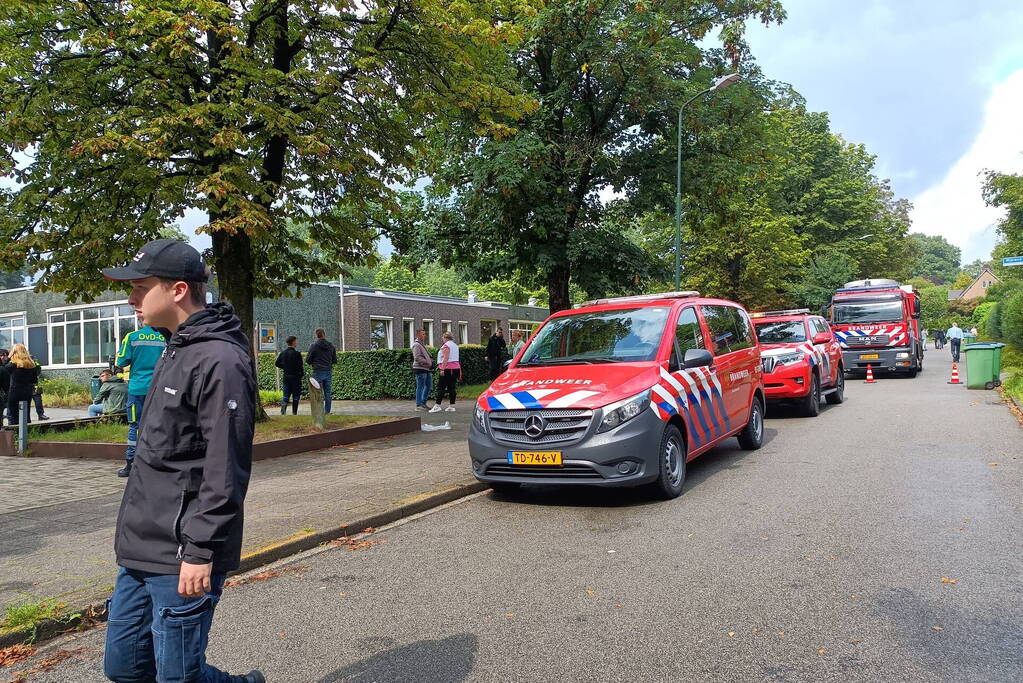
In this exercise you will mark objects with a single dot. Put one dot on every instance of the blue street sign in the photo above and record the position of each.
(1012, 261)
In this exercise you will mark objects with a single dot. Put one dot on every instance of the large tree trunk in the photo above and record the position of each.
(557, 288)
(232, 260)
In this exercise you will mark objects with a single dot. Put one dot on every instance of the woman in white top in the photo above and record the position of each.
(450, 370)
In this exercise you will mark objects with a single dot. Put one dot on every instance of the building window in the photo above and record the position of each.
(487, 328)
(380, 333)
(88, 335)
(463, 332)
(428, 328)
(12, 331)
(445, 327)
(523, 326)
(408, 332)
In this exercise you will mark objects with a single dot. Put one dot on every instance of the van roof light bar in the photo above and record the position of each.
(640, 297)
(768, 314)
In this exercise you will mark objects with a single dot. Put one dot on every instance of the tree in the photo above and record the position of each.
(937, 259)
(12, 280)
(976, 267)
(961, 280)
(1006, 191)
(116, 117)
(934, 307)
(825, 272)
(531, 202)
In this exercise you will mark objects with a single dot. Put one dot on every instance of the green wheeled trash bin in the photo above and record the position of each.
(94, 385)
(983, 365)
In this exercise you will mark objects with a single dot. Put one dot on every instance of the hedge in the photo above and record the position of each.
(370, 375)
(1011, 322)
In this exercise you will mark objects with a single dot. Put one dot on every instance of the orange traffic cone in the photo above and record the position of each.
(870, 376)
(955, 374)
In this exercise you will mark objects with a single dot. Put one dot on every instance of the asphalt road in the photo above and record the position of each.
(820, 557)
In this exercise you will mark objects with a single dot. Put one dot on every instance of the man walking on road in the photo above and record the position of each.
(292, 370)
(322, 356)
(140, 350)
(955, 339)
(495, 353)
(422, 367)
(179, 530)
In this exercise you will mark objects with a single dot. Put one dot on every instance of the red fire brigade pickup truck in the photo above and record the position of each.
(877, 322)
(802, 359)
(622, 392)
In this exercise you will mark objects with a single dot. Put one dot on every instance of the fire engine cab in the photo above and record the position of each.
(622, 392)
(802, 359)
(877, 323)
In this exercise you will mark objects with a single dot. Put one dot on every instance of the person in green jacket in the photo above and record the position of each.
(140, 351)
(112, 396)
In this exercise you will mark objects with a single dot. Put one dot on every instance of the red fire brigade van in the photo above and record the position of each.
(622, 392)
(802, 359)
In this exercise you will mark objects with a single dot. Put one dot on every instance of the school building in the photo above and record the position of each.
(76, 339)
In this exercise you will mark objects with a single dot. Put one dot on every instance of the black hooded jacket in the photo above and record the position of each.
(184, 497)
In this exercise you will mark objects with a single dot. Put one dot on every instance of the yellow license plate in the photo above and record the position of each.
(534, 457)
(869, 356)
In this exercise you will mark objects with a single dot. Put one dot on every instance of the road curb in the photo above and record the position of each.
(95, 613)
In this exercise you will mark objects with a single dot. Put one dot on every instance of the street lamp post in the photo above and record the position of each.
(720, 83)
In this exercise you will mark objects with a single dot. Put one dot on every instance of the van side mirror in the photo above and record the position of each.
(822, 338)
(697, 358)
(507, 363)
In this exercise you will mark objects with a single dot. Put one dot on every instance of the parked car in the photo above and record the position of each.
(802, 359)
(622, 392)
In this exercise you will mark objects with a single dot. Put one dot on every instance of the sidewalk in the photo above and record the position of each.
(57, 516)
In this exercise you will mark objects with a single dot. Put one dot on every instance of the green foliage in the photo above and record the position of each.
(981, 314)
(1012, 319)
(820, 278)
(530, 203)
(386, 373)
(934, 308)
(1006, 191)
(61, 392)
(962, 280)
(993, 326)
(31, 614)
(270, 397)
(976, 267)
(937, 259)
(288, 123)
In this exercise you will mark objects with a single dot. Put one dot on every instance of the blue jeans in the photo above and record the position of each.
(95, 409)
(134, 410)
(323, 377)
(291, 391)
(424, 382)
(154, 634)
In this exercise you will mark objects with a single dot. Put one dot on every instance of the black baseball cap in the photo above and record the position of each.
(167, 258)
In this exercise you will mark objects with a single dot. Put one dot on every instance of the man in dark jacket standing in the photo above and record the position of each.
(322, 356)
(290, 362)
(496, 347)
(179, 530)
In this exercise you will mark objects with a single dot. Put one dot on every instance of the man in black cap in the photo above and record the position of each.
(179, 530)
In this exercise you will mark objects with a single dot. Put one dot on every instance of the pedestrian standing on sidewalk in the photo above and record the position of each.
(422, 367)
(322, 356)
(179, 530)
(955, 339)
(24, 375)
(450, 371)
(496, 347)
(517, 343)
(290, 362)
(939, 339)
(140, 350)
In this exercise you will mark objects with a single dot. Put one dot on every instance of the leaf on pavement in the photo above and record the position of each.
(945, 579)
(589, 592)
(9, 656)
(992, 464)
(510, 615)
(266, 576)
(731, 634)
(781, 634)
(822, 651)
(765, 538)
(937, 628)
(855, 641)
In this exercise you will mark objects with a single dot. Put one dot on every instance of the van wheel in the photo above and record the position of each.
(752, 437)
(810, 406)
(838, 395)
(671, 459)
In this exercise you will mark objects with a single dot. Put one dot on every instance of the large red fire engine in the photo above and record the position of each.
(877, 322)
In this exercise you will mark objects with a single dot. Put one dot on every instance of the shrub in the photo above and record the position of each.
(1012, 319)
(993, 324)
(61, 392)
(270, 397)
(370, 375)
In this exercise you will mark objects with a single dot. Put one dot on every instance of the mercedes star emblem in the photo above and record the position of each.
(534, 426)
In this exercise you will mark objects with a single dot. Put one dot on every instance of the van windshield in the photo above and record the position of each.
(868, 311)
(617, 336)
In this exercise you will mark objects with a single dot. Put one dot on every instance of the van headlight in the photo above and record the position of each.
(789, 358)
(481, 418)
(902, 354)
(622, 411)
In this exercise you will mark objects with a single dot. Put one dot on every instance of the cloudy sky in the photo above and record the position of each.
(933, 88)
